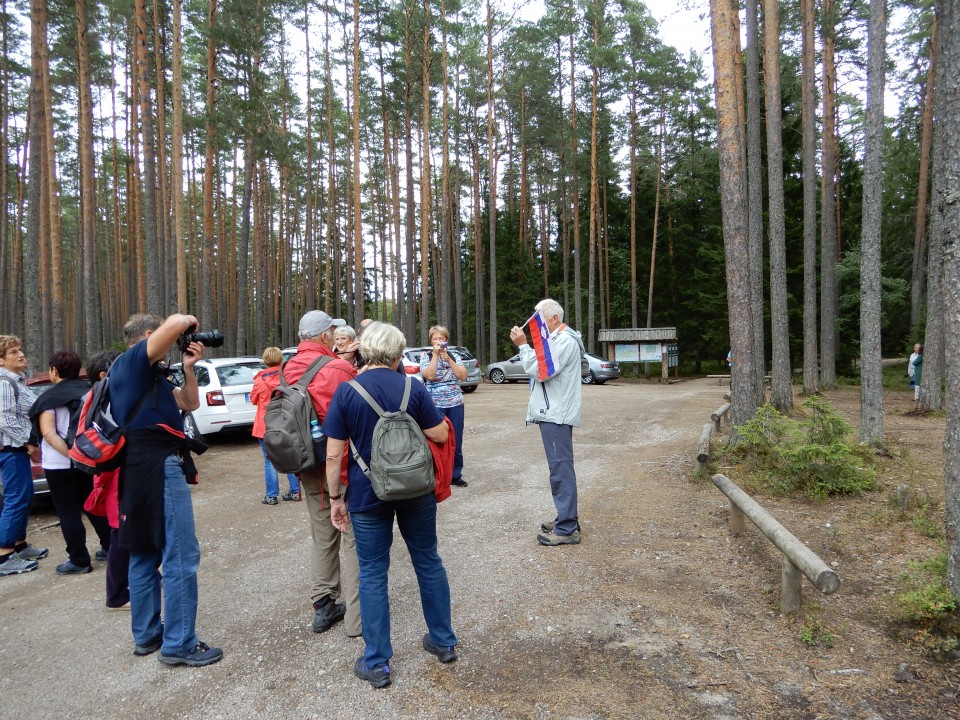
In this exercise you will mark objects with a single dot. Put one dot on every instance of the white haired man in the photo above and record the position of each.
(554, 406)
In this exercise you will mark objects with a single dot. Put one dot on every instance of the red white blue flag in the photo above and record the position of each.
(540, 340)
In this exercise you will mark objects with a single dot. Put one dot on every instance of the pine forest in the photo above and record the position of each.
(439, 161)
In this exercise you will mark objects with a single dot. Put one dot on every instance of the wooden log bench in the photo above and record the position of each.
(797, 557)
(718, 415)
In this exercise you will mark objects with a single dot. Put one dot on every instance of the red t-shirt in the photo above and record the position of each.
(326, 382)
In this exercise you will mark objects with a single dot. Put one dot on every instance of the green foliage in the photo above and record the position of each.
(926, 604)
(814, 455)
(813, 632)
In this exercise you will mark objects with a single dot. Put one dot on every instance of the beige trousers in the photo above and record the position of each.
(331, 574)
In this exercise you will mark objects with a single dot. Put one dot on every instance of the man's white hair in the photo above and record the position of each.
(550, 308)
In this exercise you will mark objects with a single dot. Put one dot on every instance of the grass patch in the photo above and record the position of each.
(926, 605)
(814, 455)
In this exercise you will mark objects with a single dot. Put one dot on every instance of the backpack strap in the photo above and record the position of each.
(16, 390)
(307, 376)
(380, 411)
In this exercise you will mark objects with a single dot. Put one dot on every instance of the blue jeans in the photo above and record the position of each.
(373, 530)
(558, 445)
(180, 559)
(270, 475)
(456, 417)
(17, 496)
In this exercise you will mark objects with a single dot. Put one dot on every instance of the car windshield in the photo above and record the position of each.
(237, 374)
(463, 353)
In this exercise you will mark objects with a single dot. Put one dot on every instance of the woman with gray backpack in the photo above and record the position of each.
(390, 477)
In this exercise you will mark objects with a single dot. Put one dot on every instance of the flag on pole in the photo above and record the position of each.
(540, 339)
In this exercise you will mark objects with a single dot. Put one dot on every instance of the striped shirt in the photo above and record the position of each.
(14, 409)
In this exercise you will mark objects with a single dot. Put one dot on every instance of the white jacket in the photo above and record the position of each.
(558, 398)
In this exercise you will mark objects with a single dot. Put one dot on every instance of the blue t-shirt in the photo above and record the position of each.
(131, 376)
(351, 418)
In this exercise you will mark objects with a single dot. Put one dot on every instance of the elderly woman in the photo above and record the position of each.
(441, 373)
(345, 344)
(351, 418)
(69, 487)
(264, 383)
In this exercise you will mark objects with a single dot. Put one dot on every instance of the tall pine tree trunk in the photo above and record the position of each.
(733, 200)
(755, 186)
(781, 379)
(829, 304)
(917, 274)
(357, 311)
(150, 234)
(492, 187)
(88, 195)
(946, 206)
(593, 237)
(871, 367)
(206, 315)
(811, 375)
(176, 161)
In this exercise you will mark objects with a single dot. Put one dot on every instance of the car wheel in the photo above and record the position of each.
(587, 379)
(469, 389)
(497, 377)
(190, 428)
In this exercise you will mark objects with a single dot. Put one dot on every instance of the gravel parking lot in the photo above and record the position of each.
(656, 614)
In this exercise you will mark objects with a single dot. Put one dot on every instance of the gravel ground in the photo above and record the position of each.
(656, 614)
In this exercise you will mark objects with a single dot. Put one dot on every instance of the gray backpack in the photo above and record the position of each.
(401, 463)
(287, 419)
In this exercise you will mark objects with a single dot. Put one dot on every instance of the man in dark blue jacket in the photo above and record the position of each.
(156, 510)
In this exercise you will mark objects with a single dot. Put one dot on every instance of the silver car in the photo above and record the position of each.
(512, 371)
(601, 370)
(411, 358)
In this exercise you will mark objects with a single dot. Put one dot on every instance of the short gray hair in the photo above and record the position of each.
(139, 325)
(550, 308)
(345, 330)
(381, 343)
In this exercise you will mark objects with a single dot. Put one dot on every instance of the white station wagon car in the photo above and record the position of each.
(225, 385)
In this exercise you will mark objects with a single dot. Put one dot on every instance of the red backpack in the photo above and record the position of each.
(99, 442)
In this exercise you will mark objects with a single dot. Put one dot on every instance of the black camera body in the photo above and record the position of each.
(211, 339)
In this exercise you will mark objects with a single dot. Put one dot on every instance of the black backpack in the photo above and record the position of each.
(287, 422)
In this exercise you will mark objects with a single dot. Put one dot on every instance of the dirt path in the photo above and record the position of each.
(659, 613)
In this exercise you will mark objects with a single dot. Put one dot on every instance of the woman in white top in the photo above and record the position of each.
(69, 487)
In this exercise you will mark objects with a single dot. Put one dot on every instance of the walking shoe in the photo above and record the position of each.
(32, 552)
(551, 538)
(293, 496)
(200, 654)
(547, 527)
(101, 555)
(149, 647)
(119, 608)
(327, 613)
(378, 676)
(459, 482)
(444, 654)
(68, 568)
(15, 565)
(268, 500)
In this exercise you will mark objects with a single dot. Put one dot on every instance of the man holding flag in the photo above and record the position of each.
(552, 360)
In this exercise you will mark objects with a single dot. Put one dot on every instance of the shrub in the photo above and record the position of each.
(814, 455)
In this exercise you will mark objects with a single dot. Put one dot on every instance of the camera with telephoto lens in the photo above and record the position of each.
(211, 339)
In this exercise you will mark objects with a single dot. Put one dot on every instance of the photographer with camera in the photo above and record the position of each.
(441, 373)
(156, 510)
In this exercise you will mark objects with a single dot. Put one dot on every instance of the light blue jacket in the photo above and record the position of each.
(556, 399)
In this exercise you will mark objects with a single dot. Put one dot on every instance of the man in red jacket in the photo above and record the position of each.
(332, 577)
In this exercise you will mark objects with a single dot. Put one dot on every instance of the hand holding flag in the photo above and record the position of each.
(540, 340)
